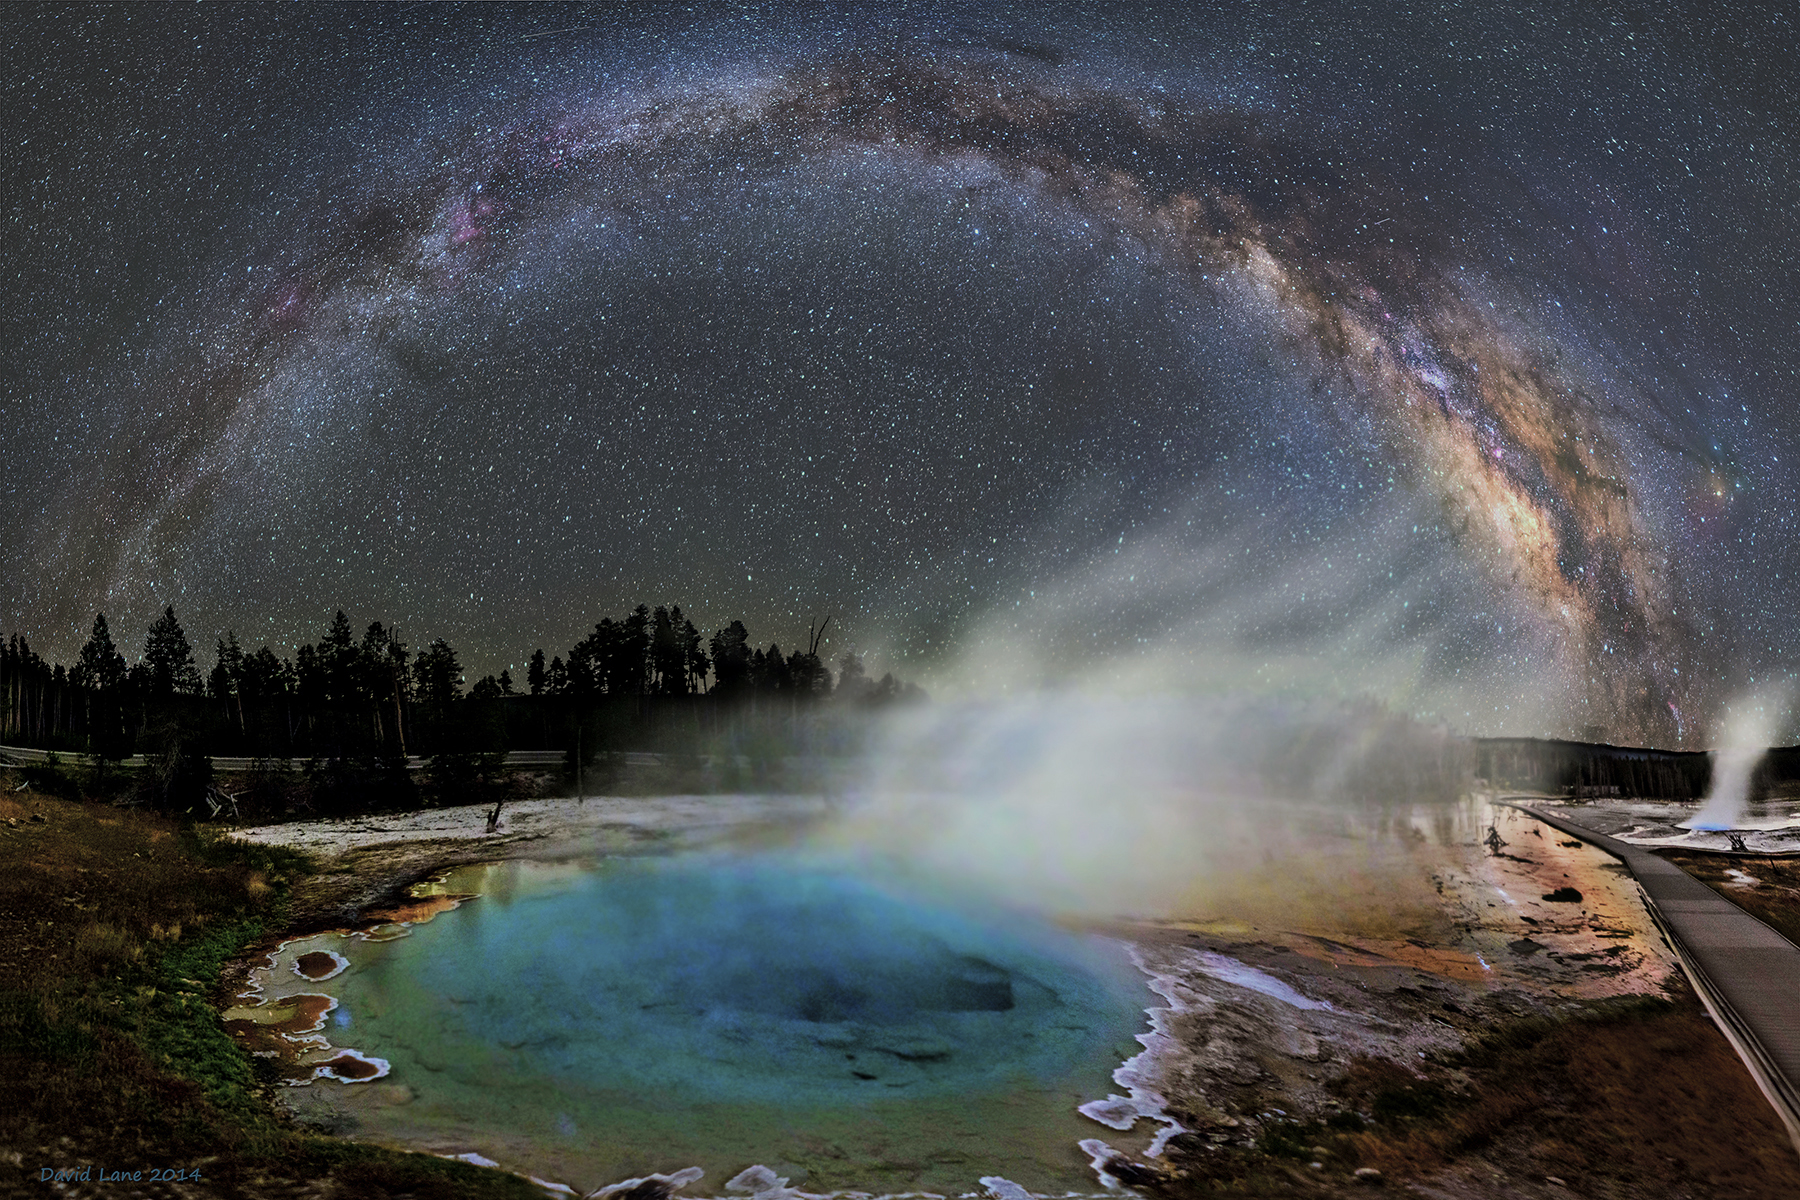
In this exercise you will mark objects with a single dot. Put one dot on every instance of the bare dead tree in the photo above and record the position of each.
(814, 638)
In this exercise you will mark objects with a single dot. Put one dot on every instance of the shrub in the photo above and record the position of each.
(48, 778)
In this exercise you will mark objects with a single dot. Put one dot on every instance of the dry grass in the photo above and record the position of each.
(113, 929)
(1646, 1097)
(1639, 1099)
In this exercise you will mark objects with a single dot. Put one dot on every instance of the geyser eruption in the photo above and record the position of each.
(1749, 727)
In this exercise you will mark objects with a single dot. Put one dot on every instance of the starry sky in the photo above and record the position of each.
(1445, 354)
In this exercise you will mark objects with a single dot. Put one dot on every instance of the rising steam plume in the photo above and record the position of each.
(1749, 728)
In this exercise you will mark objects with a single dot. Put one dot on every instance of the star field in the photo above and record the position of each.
(1445, 356)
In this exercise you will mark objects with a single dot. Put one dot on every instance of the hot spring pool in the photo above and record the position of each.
(592, 1022)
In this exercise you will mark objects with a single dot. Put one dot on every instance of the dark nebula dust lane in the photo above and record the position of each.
(1436, 356)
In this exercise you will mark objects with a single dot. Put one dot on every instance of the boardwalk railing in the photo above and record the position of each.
(541, 759)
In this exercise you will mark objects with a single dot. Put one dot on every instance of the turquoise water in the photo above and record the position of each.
(591, 1023)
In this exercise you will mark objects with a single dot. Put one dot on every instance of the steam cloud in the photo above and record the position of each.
(1095, 806)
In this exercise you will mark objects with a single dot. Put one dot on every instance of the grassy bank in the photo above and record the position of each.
(114, 927)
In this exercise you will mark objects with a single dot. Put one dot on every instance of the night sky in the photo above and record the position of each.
(1446, 356)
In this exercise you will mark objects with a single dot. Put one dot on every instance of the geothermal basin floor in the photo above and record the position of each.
(1747, 973)
(1315, 937)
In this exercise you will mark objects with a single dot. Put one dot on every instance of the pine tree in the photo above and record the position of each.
(310, 680)
(731, 658)
(694, 662)
(339, 661)
(228, 666)
(227, 675)
(381, 678)
(584, 672)
(668, 658)
(769, 670)
(631, 667)
(170, 660)
(437, 675)
(101, 667)
(852, 682)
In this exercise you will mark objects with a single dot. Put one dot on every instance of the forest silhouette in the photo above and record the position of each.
(359, 714)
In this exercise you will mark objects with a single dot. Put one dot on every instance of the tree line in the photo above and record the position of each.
(349, 695)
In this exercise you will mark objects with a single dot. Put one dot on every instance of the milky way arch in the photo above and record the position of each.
(1399, 344)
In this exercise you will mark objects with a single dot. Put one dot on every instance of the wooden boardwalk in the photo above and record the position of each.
(1747, 974)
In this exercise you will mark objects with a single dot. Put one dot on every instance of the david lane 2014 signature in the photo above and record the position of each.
(99, 1174)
